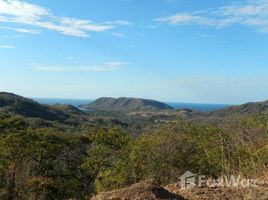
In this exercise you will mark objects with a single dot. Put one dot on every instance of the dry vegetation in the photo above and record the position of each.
(77, 159)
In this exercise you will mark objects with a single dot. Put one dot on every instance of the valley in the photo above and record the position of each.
(62, 152)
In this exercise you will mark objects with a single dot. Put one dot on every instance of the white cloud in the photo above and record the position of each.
(7, 47)
(183, 18)
(118, 34)
(20, 12)
(104, 67)
(250, 13)
(21, 30)
(119, 22)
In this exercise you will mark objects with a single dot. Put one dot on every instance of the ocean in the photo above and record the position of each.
(176, 105)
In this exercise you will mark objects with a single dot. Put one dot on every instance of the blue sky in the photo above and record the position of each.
(203, 51)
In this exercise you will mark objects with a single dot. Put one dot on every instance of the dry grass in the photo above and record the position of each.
(146, 190)
(149, 190)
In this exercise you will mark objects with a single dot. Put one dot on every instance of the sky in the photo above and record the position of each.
(199, 51)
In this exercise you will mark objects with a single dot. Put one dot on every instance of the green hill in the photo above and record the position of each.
(13, 104)
(242, 110)
(126, 105)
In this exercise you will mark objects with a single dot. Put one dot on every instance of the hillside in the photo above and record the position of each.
(64, 115)
(80, 155)
(14, 104)
(242, 110)
(126, 105)
(66, 108)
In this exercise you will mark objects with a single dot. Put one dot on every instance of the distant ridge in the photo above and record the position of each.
(67, 108)
(126, 104)
(244, 109)
(15, 104)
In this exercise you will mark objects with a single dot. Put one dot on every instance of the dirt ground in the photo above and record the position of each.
(149, 190)
(146, 190)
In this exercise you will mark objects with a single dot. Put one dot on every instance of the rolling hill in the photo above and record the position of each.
(14, 104)
(126, 105)
(242, 110)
